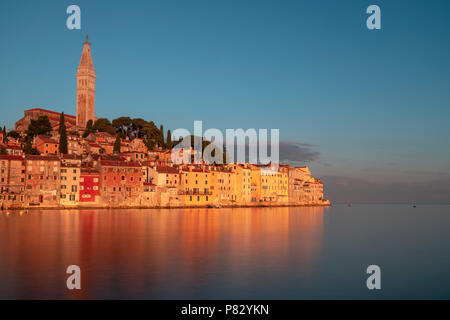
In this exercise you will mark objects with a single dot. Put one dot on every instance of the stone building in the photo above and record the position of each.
(54, 117)
(120, 182)
(12, 181)
(164, 176)
(298, 176)
(42, 180)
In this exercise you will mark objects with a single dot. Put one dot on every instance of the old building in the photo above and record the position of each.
(195, 184)
(12, 181)
(121, 182)
(74, 144)
(46, 145)
(70, 183)
(42, 182)
(164, 176)
(33, 114)
(298, 176)
(11, 149)
(89, 185)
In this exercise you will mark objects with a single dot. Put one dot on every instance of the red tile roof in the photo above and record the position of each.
(163, 169)
(6, 157)
(119, 164)
(49, 111)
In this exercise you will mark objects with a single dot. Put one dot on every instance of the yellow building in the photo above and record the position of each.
(196, 185)
(275, 184)
(241, 183)
(255, 172)
(70, 184)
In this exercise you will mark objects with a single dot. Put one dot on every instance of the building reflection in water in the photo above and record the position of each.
(186, 253)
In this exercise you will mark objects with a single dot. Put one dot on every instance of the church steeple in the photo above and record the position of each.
(85, 87)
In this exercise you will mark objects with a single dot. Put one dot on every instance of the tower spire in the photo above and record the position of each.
(85, 87)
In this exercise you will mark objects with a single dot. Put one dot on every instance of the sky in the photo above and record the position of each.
(367, 110)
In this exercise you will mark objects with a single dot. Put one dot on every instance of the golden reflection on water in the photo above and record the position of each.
(154, 253)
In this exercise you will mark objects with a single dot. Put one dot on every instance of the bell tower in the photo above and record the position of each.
(85, 87)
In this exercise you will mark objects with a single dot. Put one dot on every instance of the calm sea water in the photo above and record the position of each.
(250, 253)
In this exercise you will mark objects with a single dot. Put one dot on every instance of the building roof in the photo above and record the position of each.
(70, 157)
(7, 157)
(46, 139)
(119, 164)
(165, 169)
(45, 158)
(50, 111)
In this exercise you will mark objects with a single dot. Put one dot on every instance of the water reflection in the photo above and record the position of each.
(189, 253)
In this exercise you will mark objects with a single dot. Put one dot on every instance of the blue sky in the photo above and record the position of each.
(372, 107)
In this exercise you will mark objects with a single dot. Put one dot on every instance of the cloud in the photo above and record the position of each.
(297, 152)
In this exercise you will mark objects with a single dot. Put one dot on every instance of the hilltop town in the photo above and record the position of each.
(56, 160)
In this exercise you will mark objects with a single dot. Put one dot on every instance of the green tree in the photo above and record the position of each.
(62, 123)
(169, 143)
(41, 126)
(13, 134)
(122, 124)
(89, 129)
(3, 152)
(137, 126)
(28, 147)
(160, 139)
(63, 139)
(104, 125)
(4, 133)
(150, 144)
(117, 145)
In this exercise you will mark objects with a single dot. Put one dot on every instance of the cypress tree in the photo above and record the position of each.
(61, 122)
(62, 135)
(169, 143)
(63, 140)
(117, 145)
(161, 136)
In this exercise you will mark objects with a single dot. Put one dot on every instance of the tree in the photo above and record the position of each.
(28, 148)
(117, 145)
(63, 137)
(89, 129)
(104, 125)
(150, 144)
(62, 123)
(13, 134)
(160, 139)
(41, 126)
(137, 125)
(3, 152)
(169, 143)
(4, 133)
(121, 124)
